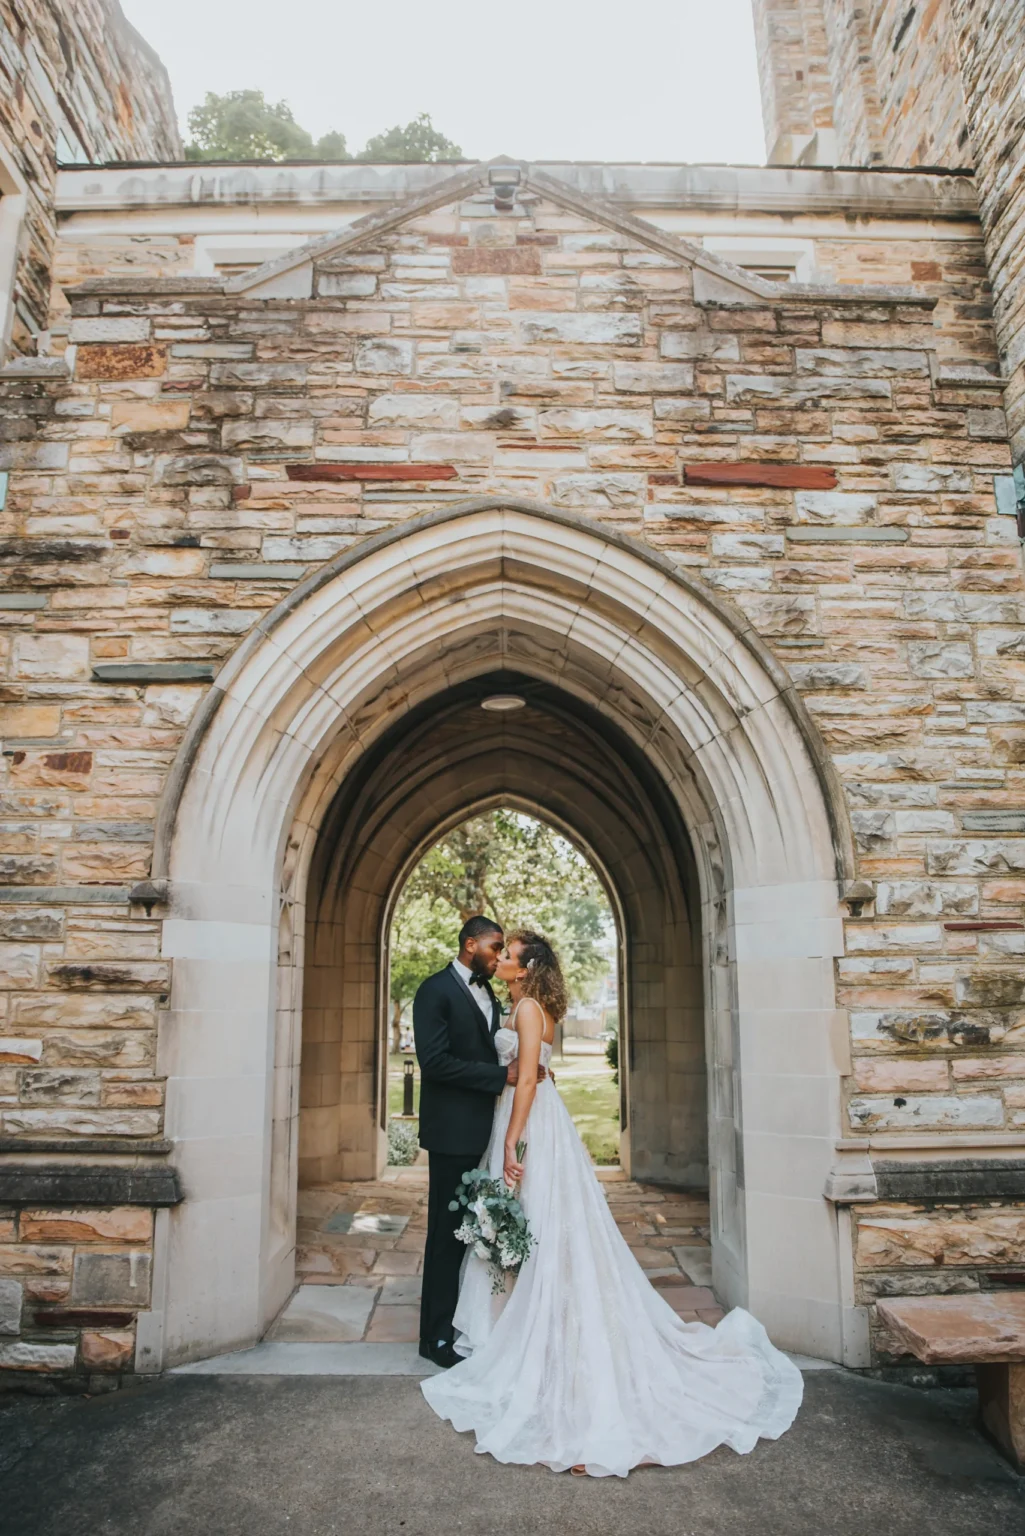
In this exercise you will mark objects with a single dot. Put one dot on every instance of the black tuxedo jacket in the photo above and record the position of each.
(459, 1071)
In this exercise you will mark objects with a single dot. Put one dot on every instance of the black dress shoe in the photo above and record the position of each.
(441, 1354)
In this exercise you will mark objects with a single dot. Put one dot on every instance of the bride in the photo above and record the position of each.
(583, 1365)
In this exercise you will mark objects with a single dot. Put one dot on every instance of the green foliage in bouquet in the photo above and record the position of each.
(493, 1224)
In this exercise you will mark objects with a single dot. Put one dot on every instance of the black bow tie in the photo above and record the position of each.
(478, 981)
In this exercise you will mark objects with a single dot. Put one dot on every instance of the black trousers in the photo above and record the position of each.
(443, 1253)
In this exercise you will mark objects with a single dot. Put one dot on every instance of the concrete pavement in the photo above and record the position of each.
(272, 1456)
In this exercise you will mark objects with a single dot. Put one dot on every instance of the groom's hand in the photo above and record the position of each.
(512, 1074)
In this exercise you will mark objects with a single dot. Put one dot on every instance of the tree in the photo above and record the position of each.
(418, 141)
(515, 869)
(242, 125)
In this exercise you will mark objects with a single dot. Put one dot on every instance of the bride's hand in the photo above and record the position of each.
(513, 1170)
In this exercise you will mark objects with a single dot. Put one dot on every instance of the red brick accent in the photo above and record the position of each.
(371, 471)
(793, 477)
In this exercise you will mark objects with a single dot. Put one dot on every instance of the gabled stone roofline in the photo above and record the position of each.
(463, 184)
(879, 192)
(775, 293)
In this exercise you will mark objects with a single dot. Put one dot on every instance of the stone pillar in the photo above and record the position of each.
(991, 48)
(793, 71)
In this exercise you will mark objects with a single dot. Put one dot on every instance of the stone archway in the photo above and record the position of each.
(492, 586)
(441, 762)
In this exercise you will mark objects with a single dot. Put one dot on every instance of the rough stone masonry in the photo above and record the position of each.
(823, 457)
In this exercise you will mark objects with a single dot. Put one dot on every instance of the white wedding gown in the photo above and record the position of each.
(583, 1361)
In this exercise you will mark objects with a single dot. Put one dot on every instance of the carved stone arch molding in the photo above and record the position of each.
(260, 831)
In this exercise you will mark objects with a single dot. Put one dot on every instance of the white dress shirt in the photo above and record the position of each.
(480, 994)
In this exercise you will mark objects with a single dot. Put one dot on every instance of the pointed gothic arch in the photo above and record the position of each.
(497, 586)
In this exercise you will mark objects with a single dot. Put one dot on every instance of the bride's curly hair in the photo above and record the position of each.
(544, 980)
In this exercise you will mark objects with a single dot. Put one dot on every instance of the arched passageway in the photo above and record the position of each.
(339, 740)
(562, 761)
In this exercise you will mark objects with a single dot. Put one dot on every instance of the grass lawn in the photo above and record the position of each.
(587, 1089)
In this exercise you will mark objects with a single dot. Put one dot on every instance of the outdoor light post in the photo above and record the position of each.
(407, 1088)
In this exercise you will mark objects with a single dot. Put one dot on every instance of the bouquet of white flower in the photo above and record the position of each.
(493, 1224)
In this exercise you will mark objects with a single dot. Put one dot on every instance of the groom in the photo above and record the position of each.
(455, 1016)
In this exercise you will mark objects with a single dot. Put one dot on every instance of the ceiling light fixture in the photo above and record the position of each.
(502, 703)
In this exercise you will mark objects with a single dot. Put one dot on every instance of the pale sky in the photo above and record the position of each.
(540, 79)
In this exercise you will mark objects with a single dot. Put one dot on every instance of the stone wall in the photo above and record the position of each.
(76, 83)
(991, 47)
(212, 447)
(886, 82)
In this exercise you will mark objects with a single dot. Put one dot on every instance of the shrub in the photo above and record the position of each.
(403, 1143)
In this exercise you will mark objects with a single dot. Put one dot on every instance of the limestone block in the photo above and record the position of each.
(19, 965)
(861, 362)
(385, 354)
(899, 1075)
(984, 1237)
(978, 856)
(925, 898)
(25, 1259)
(29, 720)
(111, 1279)
(46, 657)
(98, 1048)
(773, 615)
(65, 770)
(929, 477)
(988, 423)
(681, 409)
(874, 832)
(919, 822)
(888, 937)
(14, 1050)
(653, 378)
(170, 704)
(596, 425)
(59, 1086)
(84, 1012)
(712, 348)
(172, 563)
(938, 658)
(123, 1224)
(988, 1068)
(37, 1357)
(11, 1295)
(109, 328)
(213, 621)
(202, 469)
(346, 285)
(246, 432)
(990, 989)
(595, 328)
(149, 416)
(23, 869)
(622, 490)
(70, 1122)
(746, 546)
(928, 1111)
(107, 1349)
(109, 975)
(777, 389)
(107, 863)
(415, 411)
(847, 508)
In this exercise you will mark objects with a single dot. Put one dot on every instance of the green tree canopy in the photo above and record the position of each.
(515, 869)
(418, 141)
(243, 125)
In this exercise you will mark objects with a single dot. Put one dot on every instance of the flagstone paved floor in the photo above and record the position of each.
(360, 1252)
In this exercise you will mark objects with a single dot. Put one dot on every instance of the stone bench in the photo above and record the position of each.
(985, 1330)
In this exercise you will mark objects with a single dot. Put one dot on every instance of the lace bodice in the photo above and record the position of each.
(507, 1044)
